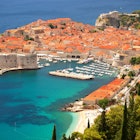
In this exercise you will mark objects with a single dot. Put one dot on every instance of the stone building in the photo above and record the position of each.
(19, 61)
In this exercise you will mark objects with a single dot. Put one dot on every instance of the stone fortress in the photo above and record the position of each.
(64, 38)
(112, 18)
(18, 61)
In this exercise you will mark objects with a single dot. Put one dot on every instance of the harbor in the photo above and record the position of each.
(84, 71)
(97, 68)
(64, 73)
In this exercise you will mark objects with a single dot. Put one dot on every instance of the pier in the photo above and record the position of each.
(74, 75)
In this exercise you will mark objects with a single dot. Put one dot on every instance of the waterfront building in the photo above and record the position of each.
(107, 91)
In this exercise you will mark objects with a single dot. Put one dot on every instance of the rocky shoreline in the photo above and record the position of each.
(78, 106)
(74, 107)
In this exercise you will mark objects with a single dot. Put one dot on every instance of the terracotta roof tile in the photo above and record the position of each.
(105, 91)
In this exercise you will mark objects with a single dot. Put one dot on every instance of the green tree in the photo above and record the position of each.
(103, 103)
(133, 60)
(88, 125)
(123, 76)
(27, 37)
(54, 133)
(64, 137)
(76, 135)
(138, 60)
(102, 128)
(131, 119)
(113, 121)
(138, 135)
(137, 106)
(52, 26)
(124, 133)
(91, 134)
(138, 88)
(137, 25)
(131, 74)
(69, 138)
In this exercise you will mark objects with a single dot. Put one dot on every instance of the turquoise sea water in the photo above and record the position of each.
(31, 102)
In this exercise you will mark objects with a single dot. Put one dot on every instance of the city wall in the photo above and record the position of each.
(19, 61)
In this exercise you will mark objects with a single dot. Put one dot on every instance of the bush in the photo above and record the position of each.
(131, 73)
(26, 38)
(93, 31)
(52, 26)
(135, 60)
(103, 103)
(137, 26)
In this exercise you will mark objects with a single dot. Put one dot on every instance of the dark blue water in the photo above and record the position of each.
(30, 101)
(19, 12)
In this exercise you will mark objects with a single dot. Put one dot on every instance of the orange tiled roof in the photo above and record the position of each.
(105, 91)
(78, 34)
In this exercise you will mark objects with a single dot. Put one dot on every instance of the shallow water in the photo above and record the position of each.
(31, 101)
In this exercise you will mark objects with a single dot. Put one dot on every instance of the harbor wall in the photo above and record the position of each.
(8, 61)
(23, 61)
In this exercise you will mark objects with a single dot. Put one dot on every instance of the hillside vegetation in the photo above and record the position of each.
(122, 122)
(130, 21)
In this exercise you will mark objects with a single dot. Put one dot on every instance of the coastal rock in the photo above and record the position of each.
(119, 20)
(74, 107)
(109, 19)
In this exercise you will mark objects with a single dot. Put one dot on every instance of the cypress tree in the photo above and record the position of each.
(132, 119)
(64, 137)
(102, 126)
(88, 125)
(54, 133)
(138, 89)
(103, 120)
(69, 138)
(124, 133)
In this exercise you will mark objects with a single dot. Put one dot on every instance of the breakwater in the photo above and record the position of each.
(71, 75)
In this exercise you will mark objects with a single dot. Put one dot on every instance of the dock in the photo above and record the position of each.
(74, 75)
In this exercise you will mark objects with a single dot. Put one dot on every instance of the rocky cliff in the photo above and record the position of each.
(119, 20)
(108, 19)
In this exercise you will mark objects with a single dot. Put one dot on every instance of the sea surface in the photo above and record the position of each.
(17, 13)
(31, 100)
